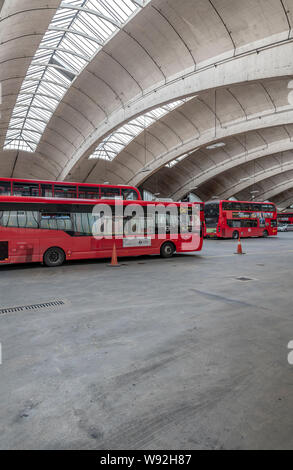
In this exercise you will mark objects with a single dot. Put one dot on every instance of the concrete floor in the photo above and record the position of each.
(157, 354)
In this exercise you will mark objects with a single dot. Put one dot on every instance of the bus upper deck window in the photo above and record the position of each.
(64, 191)
(90, 192)
(46, 190)
(227, 206)
(110, 193)
(5, 188)
(129, 195)
(268, 208)
(26, 189)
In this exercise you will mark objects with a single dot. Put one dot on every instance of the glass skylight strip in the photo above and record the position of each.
(130, 131)
(76, 33)
(177, 160)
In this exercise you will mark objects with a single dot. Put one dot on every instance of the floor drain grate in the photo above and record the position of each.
(245, 279)
(23, 308)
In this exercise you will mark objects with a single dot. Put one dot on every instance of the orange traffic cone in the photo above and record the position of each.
(239, 247)
(114, 261)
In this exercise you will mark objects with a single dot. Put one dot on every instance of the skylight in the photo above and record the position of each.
(216, 146)
(77, 32)
(118, 140)
(178, 159)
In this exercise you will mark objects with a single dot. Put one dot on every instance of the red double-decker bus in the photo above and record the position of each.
(52, 231)
(231, 219)
(34, 188)
(285, 218)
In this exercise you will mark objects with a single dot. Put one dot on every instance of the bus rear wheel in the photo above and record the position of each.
(54, 257)
(265, 234)
(235, 235)
(167, 250)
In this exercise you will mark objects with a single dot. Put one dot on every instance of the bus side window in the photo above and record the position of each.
(129, 195)
(227, 206)
(5, 188)
(32, 219)
(46, 190)
(47, 222)
(26, 189)
(64, 191)
(267, 208)
(185, 223)
(234, 223)
(27, 219)
(5, 218)
(134, 225)
(20, 219)
(88, 192)
(160, 223)
(107, 222)
(14, 219)
(82, 223)
(56, 221)
(150, 226)
(110, 193)
(64, 222)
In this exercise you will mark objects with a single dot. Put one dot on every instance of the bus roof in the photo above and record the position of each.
(217, 201)
(67, 183)
(43, 200)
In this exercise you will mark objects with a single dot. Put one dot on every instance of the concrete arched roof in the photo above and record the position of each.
(268, 63)
(254, 106)
(188, 49)
(284, 199)
(271, 187)
(255, 176)
(204, 165)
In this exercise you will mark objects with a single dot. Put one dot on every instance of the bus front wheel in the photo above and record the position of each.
(235, 235)
(167, 250)
(265, 234)
(54, 257)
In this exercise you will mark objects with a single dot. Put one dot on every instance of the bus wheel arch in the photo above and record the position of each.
(168, 249)
(54, 256)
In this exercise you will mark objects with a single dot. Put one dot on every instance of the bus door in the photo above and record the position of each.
(108, 239)
(135, 232)
(94, 233)
(274, 226)
(262, 223)
(4, 251)
(24, 246)
(84, 242)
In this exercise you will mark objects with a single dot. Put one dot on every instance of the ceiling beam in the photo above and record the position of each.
(67, 6)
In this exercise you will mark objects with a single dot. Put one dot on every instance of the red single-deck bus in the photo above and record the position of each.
(51, 231)
(231, 219)
(33, 188)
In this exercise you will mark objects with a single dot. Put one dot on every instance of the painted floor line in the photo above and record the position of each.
(249, 254)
